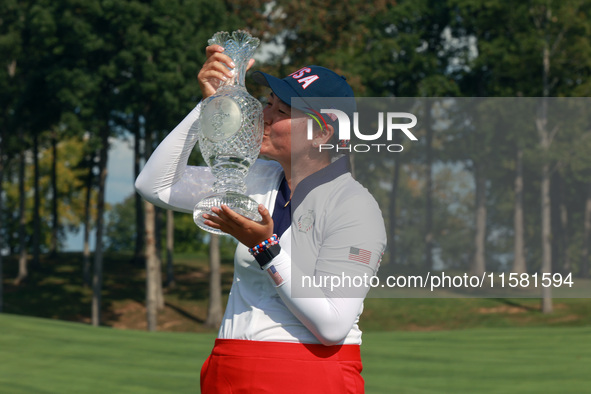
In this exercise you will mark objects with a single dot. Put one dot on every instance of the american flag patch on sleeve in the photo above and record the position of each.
(275, 275)
(360, 255)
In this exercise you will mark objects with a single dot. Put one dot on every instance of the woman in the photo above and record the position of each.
(318, 222)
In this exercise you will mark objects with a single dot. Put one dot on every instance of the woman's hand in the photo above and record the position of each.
(216, 69)
(246, 231)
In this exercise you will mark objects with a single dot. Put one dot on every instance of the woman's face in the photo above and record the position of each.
(285, 132)
(277, 142)
(277, 131)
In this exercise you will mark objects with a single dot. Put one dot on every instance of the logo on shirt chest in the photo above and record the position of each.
(306, 221)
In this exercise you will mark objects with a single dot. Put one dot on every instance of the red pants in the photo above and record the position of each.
(239, 366)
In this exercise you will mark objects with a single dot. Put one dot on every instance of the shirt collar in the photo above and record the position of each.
(332, 171)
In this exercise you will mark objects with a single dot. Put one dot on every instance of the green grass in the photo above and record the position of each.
(411, 314)
(445, 345)
(509, 360)
(49, 356)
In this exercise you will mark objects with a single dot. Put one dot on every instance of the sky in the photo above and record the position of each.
(119, 185)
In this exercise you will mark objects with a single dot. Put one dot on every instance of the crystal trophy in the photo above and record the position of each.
(230, 132)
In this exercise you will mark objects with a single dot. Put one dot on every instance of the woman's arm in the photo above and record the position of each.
(166, 180)
(348, 257)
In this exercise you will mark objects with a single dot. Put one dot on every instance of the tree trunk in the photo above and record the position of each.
(22, 260)
(392, 212)
(87, 224)
(3, 135)
(479, 260)
(154, 298)
(1, 210)
(428, 189)
(170, 282)
(158, 230)
(546, 238)
(214, 309)
(564, 257)
(151, 264)
(158, 213)
(37, 205)
(139, 254)
(519, 265)
(584, 273)
(54, 197)
(97, 280)
(545, 141)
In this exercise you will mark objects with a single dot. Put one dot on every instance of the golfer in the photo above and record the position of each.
(317, 223)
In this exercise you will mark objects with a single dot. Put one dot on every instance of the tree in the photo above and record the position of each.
(170, 281)
(97, 279)
(12, 79)
(120, 233)
(162, 47)
(586, 235)
(22, 260)
(495, 71)
(532, 54)
(2, 160)
(86, 265)
(102, 62)
(557, 27)
(139, 252)
(154, 298)
(581, 169)
(42, 107)
(215, 310)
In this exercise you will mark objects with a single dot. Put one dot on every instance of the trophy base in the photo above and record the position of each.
(237, 202)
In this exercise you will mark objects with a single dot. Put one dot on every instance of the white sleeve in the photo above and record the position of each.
(328, 311)
(166, 180)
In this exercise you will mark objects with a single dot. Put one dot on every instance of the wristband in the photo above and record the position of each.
(264, 245)
(266, 255)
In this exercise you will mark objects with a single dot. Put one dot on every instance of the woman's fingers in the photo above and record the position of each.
(250, 64)
(211, 49)
(245, 230)
(211, 221)
(266, 216)
(230, 214)
(217, 68)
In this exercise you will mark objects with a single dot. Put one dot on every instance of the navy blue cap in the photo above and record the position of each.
(309, 82)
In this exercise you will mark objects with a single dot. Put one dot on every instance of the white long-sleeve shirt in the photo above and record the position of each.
(337, 232)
